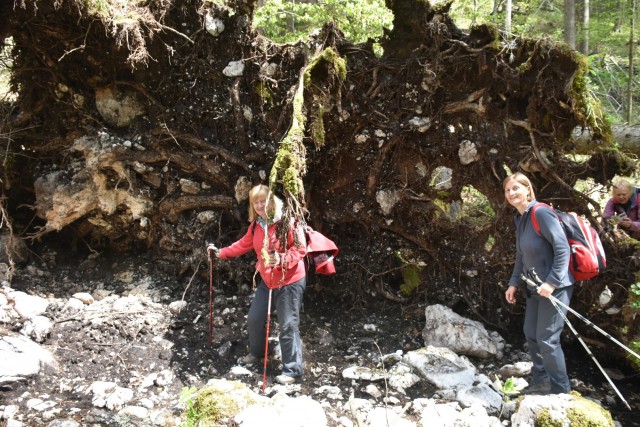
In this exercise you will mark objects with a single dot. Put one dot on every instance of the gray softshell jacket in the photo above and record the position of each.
(547, 253)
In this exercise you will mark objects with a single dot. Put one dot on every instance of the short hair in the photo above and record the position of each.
(621, 184)
(521, 179)
(260, 190)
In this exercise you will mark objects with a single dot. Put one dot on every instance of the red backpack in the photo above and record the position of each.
(587, 258)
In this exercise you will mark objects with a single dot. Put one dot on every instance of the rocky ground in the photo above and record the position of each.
(146, 343)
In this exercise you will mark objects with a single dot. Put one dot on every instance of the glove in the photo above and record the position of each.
(212, 248)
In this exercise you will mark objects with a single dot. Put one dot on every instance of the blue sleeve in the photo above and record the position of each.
(552, 231)
(517, 268)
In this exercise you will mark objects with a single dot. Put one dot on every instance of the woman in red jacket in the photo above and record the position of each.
(282, 270)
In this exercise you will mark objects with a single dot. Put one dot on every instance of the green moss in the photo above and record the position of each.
(545, 419)
(587, 413)
(317, 126)
(443, 7)
(491, 30)
(587, 107)
(209, 405)
(583, 413)
(329, 58)
(411, 277)
(290, 163)
(263, 91)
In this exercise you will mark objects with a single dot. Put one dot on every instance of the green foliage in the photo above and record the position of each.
(289, 21)
(634, 296)
(476, 206)
(186, 399)
(411, 272)
(508, 388)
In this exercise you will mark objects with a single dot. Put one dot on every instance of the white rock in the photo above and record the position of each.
(373, 391)
(389, 416)
(206, 217)
(74, 304)
(85, 297)
(421, 124)
(362, 373)
(269, 69)
(441, 178)
(109, 395)
(468, 152)
(135, 412)
(26, 305)
(234, 69)
(241, 189)
(442, 367)
(387, 199)
(213, 25)
(605, 297)
(38, 328)
(518, 369)
(21, 357)
(445, 328)
(177, 306)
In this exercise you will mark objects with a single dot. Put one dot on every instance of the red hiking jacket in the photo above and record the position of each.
(292, 266)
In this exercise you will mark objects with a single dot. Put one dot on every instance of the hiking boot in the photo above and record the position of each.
(249, 359)
(541, 388)
(285, 379)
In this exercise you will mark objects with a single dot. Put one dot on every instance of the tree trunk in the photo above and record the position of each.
(570, 23)
(620, 15)
(627, 137)
(632, 48)
(507, 16)
(584, 44)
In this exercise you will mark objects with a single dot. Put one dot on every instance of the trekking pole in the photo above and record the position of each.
(555, 301)
(211, 249)
(266, 344)
(584, 319)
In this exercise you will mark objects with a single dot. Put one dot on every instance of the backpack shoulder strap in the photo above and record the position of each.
(534, 220)
(253, 226)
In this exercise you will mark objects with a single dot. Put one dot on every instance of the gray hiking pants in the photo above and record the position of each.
(542, 328)
(287, 300)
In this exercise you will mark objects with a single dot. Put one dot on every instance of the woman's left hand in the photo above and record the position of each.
(545, 290)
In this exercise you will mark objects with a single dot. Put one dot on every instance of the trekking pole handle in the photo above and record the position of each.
(212, 248)
(535, 277)
(528, 281)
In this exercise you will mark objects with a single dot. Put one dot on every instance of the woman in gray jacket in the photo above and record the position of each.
(547, 254)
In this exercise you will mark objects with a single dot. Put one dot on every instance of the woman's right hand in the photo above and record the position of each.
(510, 294)
(625, 222)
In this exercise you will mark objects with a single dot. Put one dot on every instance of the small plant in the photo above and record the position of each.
(186, 398)
(507, 389)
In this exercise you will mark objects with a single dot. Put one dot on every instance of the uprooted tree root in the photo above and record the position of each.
(382, 152)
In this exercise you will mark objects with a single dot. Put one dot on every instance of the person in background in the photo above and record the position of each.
(622, 208)
(281, 269)
(548, 254)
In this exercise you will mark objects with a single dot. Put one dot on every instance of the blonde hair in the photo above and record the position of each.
(621, 184)
(521, 179)
(274, 202)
